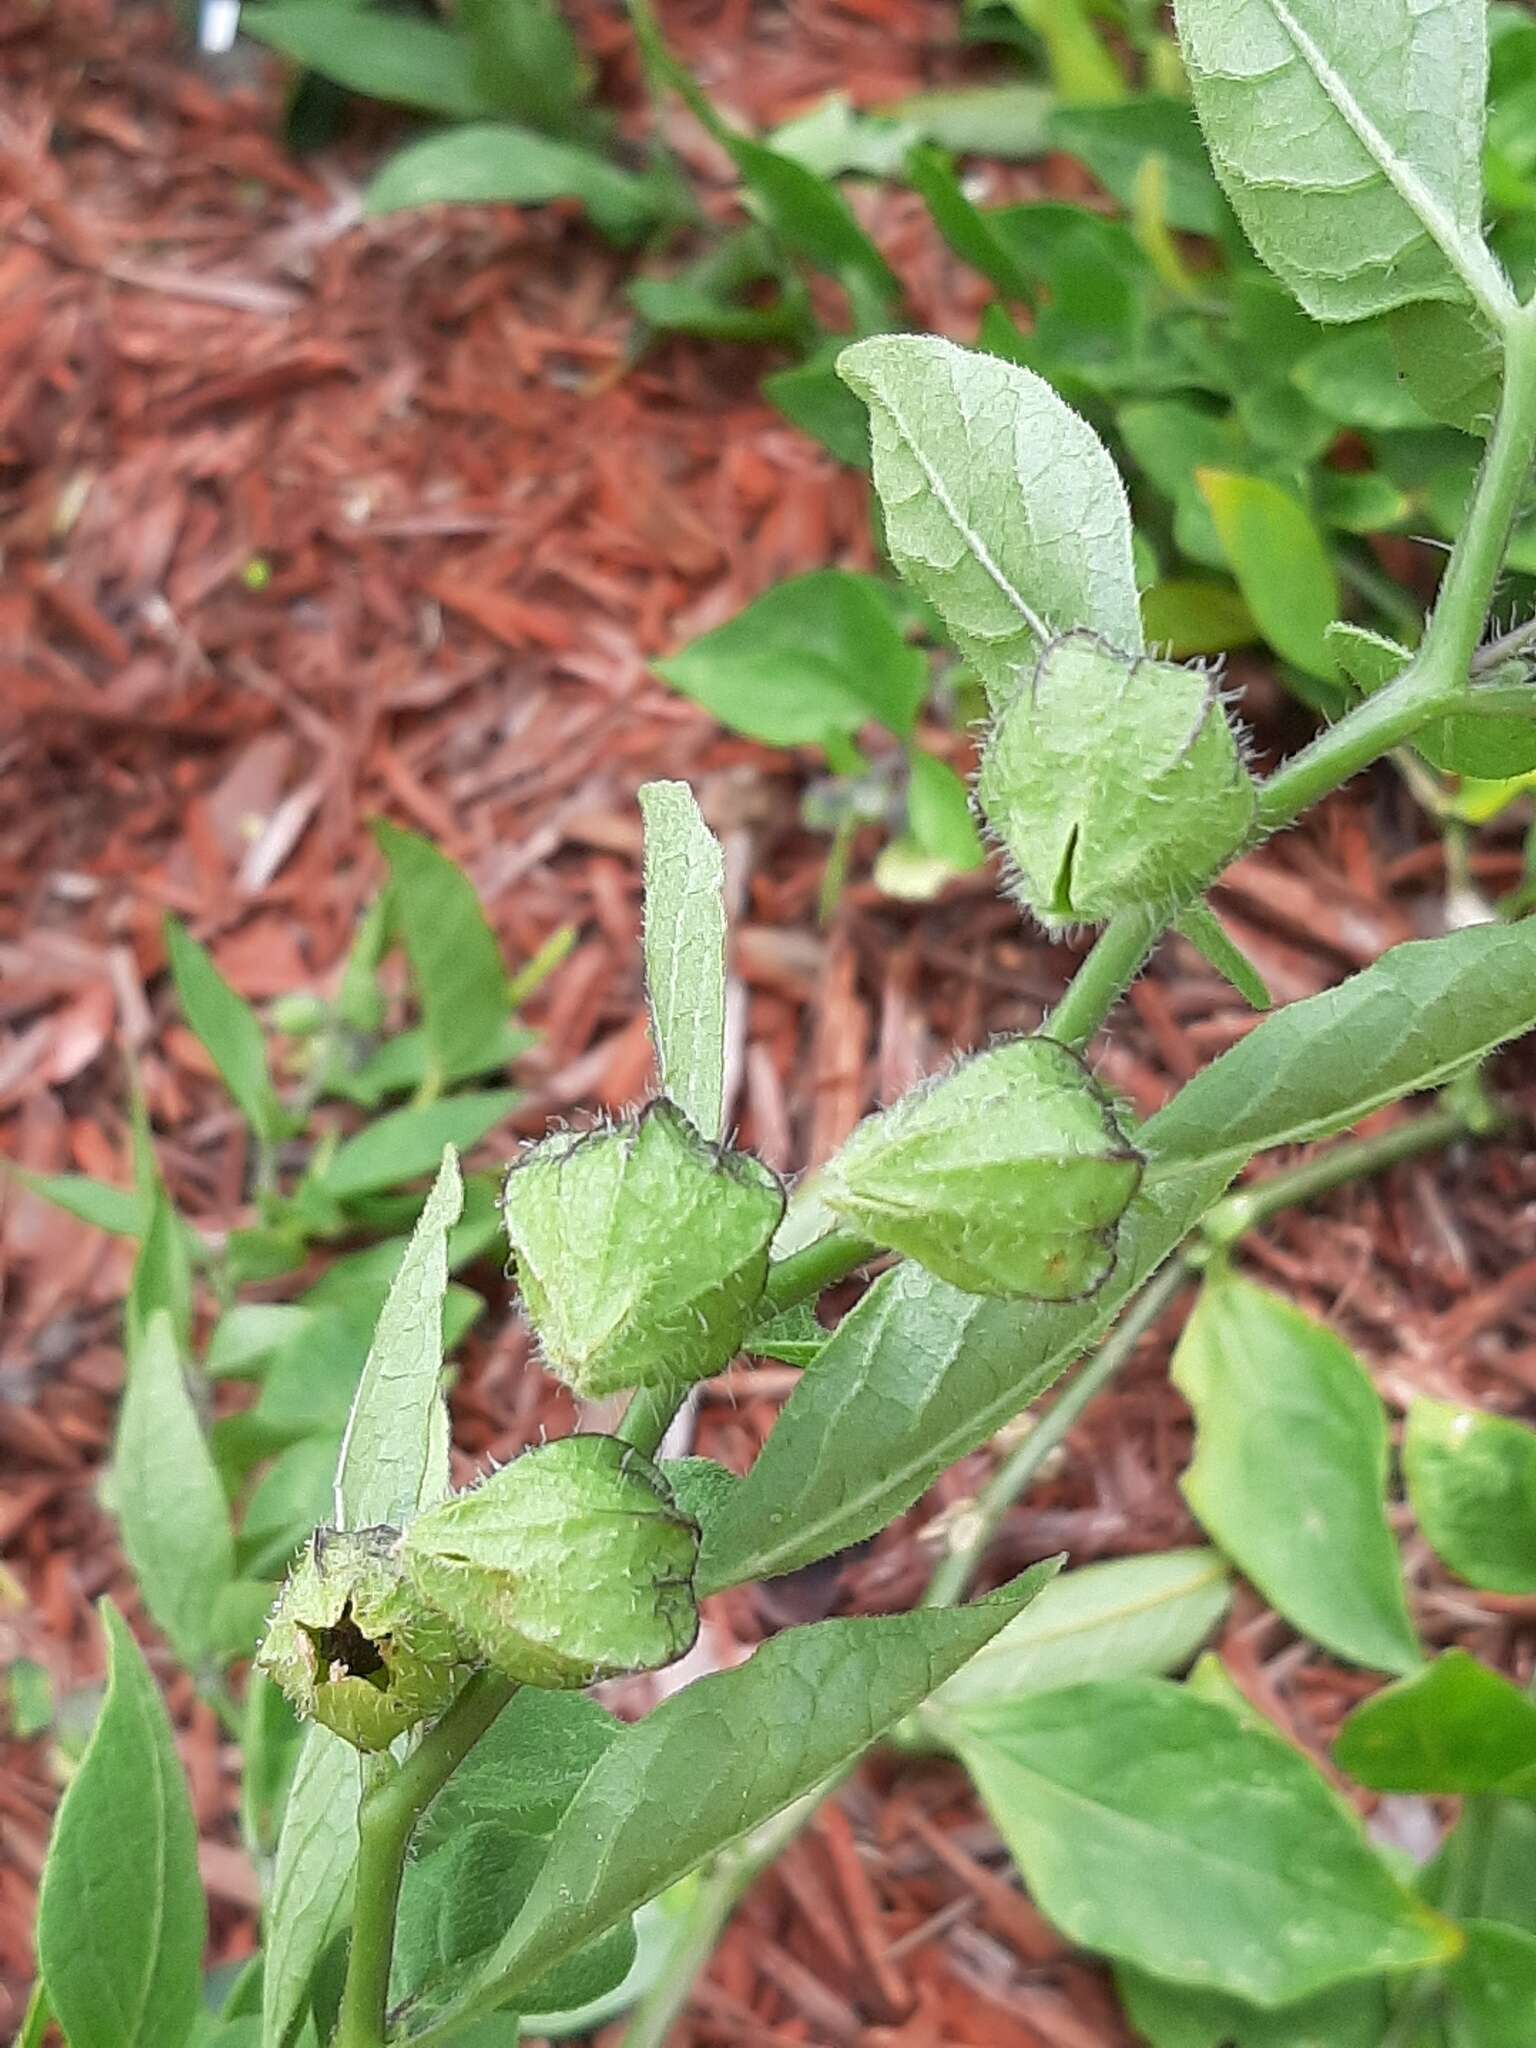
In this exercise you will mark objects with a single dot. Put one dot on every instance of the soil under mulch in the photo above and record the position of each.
(306, 521)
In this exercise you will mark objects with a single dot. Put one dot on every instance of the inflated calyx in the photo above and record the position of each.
(1113, 781)
(641, 1250)
(1006, 1175)
(352, 1645)
(571, 1564)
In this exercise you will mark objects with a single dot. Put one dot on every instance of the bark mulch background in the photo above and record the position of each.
(305, 521)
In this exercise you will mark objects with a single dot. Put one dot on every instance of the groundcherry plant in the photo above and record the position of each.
(467, 1836)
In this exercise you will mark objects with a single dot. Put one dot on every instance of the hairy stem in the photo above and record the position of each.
(803, 1275)
(390, 1811)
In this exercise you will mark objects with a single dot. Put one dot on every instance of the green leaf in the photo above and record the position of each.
(939, 813)
(1350, 144)
(394, 1454)
(811, 658)
(1157, 1828)
(814, 1699)
(456, 964)
(1472, 1485)
(310, 1900)
(409, 62)
(456, 1903)
(794, 1338)
(1354, 379)
(526, 1769)
(409, 1142)
(1082, 71)
(1169, 2016)
(120, 1211)
(1007, 121)
(121, 1921)
(170, 1506)
(525, 61)
(1133, 1616)
(1184, 616)
(1210, 938)
(1409, 1022)
(814, 222)
(1006, 1175)
(401, 1064)
(685, 952)
(1115, 141)
(1451, 361)
(162, 1277)
(1290, 1470)
(914, 1377)
(1493, 1988)
(1454, 1727)
(1002, 506)
(495, 163)
(814, 398)
(969, 231)
(1281, 564)
(228, 1029)
(832, 139)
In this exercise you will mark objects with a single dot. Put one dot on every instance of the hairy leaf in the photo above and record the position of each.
(685, 952)
(310, 1900)
(1472, 1484)
(1290, 1469)
(813, 1698)
(394, 1454)
(1158, 1828)
(170, 1505)
(121, 1920)
(1349, 141)
(1002, 507)
(1408, 1022)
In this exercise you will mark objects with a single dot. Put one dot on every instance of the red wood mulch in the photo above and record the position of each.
(475, 527)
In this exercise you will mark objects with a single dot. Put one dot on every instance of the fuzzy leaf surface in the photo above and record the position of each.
(813, 1698)
(1002, 506)
(1349, 141)
(311, 1895)
(121, 1920)
(1290, 1469)
(685, 952)
(394, 1454)
(1408, 1022)
(1159, 1829)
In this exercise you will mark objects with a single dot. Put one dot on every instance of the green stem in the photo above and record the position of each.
(391, 1808)
(1355, 1159)
(803, 1275)
(649, 1416)
(956, 1570)
(1117, 958)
